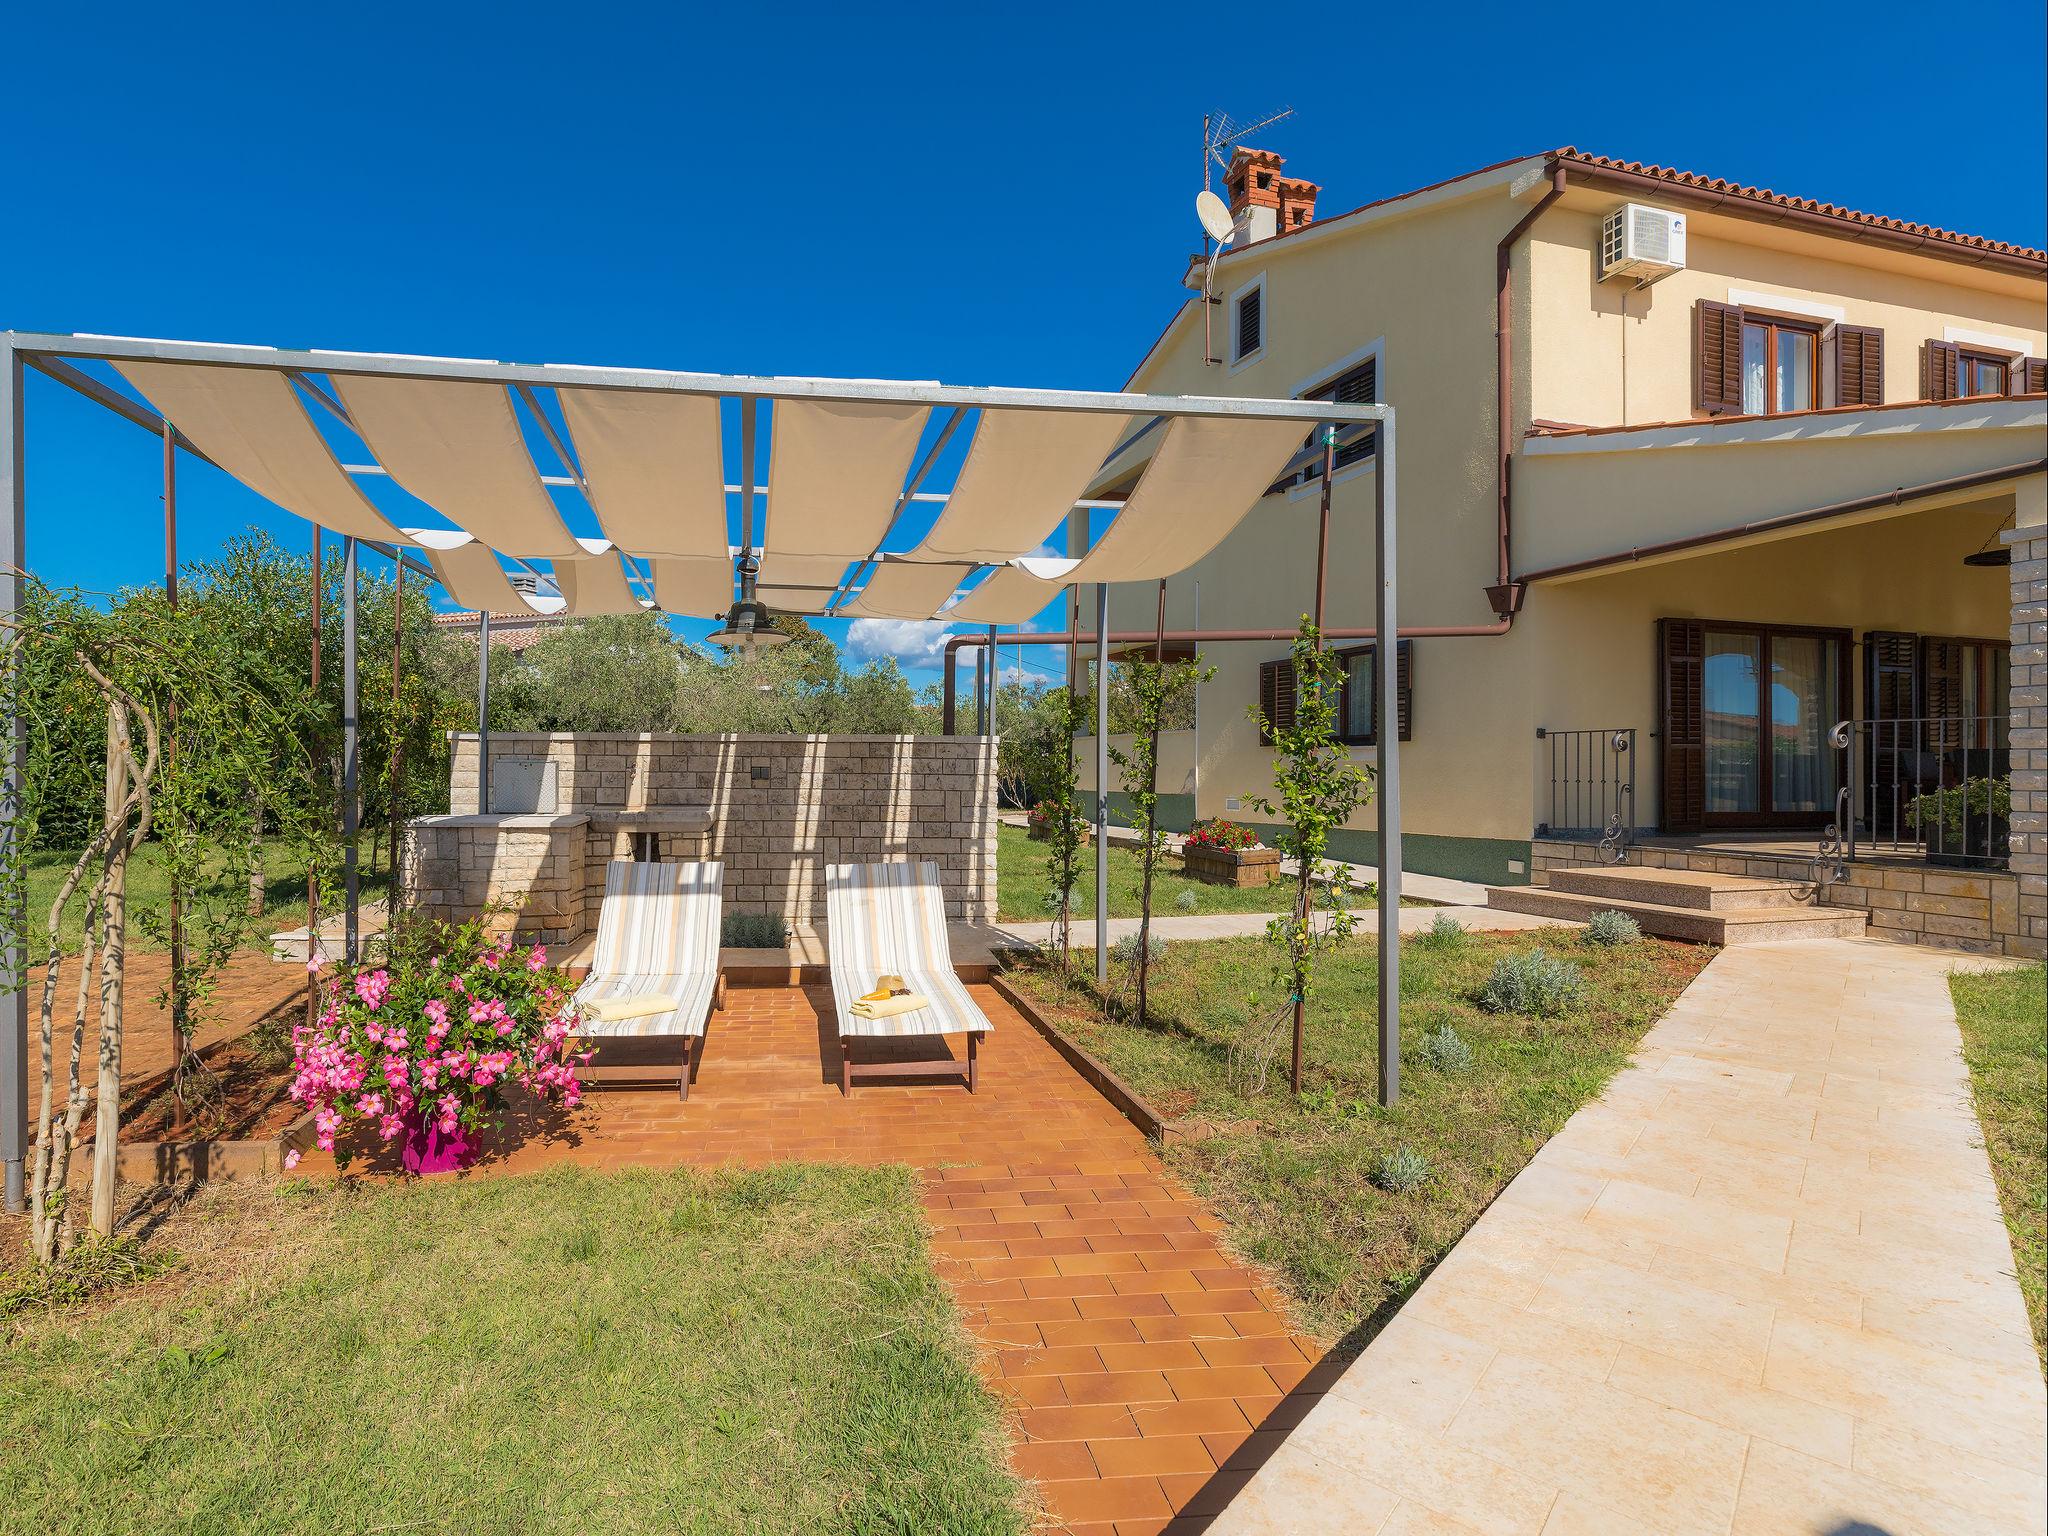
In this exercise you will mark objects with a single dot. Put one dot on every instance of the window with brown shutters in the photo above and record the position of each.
(1717, 358)
(1358, 698)
(1682, 741)
(1357, 702)
(1276, 698)
(1853, 364)
(1355, 386)
(1939, 364)
(2030, 376)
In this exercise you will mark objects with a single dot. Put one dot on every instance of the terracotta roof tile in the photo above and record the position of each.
(1727, 188)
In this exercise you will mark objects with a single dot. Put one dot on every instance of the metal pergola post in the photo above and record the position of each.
(981, 693)
(1102, 781)
(483, 713)
(351, 767)
(1386, 705)
(13, 959)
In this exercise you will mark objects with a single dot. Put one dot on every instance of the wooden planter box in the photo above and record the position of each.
(1232, 866)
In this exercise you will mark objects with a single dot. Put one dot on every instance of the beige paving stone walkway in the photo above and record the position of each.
(1760, 1287)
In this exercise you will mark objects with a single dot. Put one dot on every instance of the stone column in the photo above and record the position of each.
(2029, 543)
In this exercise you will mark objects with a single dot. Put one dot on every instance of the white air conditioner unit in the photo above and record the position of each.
(1642, 242)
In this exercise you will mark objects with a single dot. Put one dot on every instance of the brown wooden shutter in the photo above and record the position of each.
(1891, 694)
(2030, 376)
(1404, 684)
(1248, 322)
(1859, 365)
(1941, 690)
(1717, 358)
(1682, 749)
(1939, 365)
(1891, 675)
(1276, 698)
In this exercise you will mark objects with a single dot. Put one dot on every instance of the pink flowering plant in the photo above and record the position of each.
(431, 1036)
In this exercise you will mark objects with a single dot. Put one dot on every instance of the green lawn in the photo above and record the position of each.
(1293, 1179)
(1021, 884)
(2004, 1017)
(568, 1351)
(284, 896)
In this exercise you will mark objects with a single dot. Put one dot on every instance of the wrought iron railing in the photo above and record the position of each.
(1592, 787)
(1936, 788)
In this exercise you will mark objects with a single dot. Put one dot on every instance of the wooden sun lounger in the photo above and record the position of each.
(658, 933)
(884, 919)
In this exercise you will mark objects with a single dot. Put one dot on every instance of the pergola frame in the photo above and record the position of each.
(55, 355)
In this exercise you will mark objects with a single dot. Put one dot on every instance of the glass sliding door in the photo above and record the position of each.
(1805, 701)
(1768, 697)
(1733, 699)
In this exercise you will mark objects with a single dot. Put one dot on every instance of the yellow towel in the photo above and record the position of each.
(888, 1007)
(886, 987)
(613, 1009)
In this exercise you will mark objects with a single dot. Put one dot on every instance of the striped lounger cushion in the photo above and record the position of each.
(891, 919)
(657, 933)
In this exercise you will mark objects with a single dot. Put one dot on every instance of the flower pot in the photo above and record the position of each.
(1231, 866)
(1981, 842)
(429, 1149)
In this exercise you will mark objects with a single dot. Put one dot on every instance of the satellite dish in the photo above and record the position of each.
(1215, 216)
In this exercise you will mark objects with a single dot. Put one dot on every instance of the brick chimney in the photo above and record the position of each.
(1263, 202)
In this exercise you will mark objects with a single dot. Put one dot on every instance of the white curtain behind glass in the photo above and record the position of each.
(1802, 708)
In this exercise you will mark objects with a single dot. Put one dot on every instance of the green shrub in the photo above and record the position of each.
(753, 930)
(1125, 950)
(1534, 984)
(1445, 1049)
(1401, 1171)
(1187, 901)
(1610, 930)
(1445, 935)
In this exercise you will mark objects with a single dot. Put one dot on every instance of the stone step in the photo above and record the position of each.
(1697, 925)
(1698, 889)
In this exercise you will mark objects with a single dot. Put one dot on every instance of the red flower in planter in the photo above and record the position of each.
(1225, 836)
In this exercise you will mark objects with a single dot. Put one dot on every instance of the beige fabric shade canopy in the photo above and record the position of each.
(648, 455)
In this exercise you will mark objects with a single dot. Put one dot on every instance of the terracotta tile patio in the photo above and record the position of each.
(1150, 1374)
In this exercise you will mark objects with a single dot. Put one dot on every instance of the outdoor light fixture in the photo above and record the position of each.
(747, 623)
(1986, 554)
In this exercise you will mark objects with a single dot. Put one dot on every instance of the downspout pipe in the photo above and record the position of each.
(1506, 594)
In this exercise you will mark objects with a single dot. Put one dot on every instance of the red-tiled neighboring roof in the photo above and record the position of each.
(1727, 188)
(513, 631)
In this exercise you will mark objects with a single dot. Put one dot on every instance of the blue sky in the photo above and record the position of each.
(981, 195)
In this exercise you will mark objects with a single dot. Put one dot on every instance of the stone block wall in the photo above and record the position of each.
(534, 867)
(2029, 575)
(782, 807)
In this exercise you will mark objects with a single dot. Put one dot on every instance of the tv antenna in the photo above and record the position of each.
(1220, 134)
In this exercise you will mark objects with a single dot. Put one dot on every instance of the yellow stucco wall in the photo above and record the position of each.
(1601, 354)
(1901, 572)
(1420, 284)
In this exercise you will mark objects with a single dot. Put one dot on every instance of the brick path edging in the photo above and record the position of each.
(1126, 1100)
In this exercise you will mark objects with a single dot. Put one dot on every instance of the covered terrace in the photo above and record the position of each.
(586, 490)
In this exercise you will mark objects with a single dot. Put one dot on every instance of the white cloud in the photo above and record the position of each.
(915, 643)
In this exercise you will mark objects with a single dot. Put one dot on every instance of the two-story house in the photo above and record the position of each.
(1751, 489)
